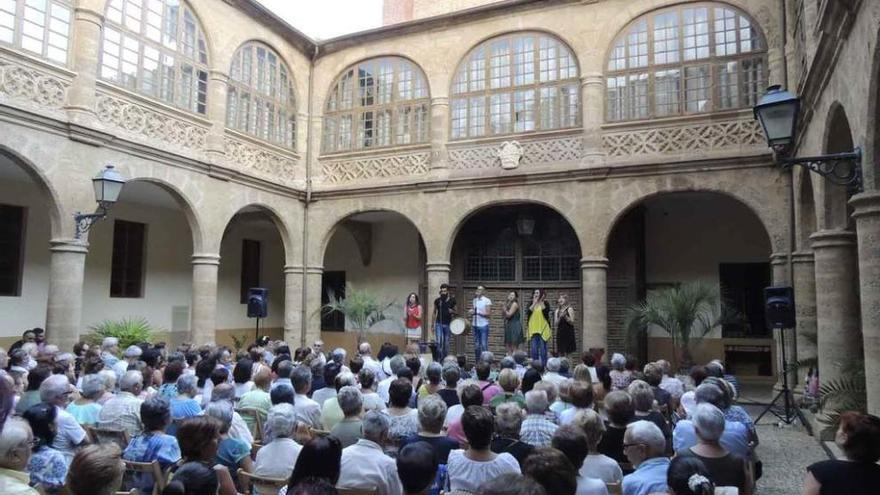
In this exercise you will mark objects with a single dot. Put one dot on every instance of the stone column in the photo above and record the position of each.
(594, 274)
(64, 308)
(85, 48)
(218, 83)
(867, 215)
(203, 314)
(592, 115)
(804, 283)
(312, 310)
(776, 61)
(293, 304)
(439, 132)
(837, 301)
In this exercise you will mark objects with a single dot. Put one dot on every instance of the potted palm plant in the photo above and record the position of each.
(687, 312)
(360, 307)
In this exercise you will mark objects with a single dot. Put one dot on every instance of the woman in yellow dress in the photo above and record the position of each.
(538, 316)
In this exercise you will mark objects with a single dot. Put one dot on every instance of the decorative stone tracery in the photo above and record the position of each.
(375, 167)
(681, 139)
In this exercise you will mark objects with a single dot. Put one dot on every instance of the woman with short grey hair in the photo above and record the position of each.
(508, 422)
(432, 414)
(233, 453)
(184, 405)
(349, 430)
(596, 465)
(620, 377)
(726, 468)
(277, 458)
(86, 409)
(109, 377)
(372, 400)
(449, 393)
(643, 401)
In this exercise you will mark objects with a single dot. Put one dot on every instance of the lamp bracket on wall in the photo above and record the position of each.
(84, 221)
(843, 169)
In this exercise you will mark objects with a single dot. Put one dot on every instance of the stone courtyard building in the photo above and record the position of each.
(597, 148)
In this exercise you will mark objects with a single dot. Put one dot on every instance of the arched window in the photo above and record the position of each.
(41, 27)
(689, 59)
(156, 48)
(375, 103)
(260, 99)
(520, 82)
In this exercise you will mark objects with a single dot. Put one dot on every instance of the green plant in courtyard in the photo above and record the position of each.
(848, 392)
(361, 307)
(687, 312)
(239, 341)
(129, 331)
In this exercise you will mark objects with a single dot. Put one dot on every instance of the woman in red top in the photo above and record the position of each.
(413, 319)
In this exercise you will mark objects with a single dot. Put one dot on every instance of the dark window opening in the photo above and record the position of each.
(250, 266)
(12, 222)
(127, 269)
(742, 286)
(332, 283)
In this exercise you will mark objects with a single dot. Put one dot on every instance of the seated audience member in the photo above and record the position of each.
(31, 395)
(603, 386)
(95, 470)
(366, 377)
(620, 409)
(364, 465)
(470, 468)
(277, 458)
(508, 421)
(184, 405)
(511, 484)
(257, 397)
(15, 453)
(688, 476)
(47, 466)
(552, 392)
(238, 429)
(487, 386)
(563, 398)
(282, 395)
(731, 411)
(859, 438)
(581, 397)
(670, 383)
(282, 371)
(350, 429)
(715, 368)
(688, 402)
(404, 421)
(725, 468)
(643, 402)
(571, 441)
(644, 446)
(330, 372)
(170, 374)
(416, 468)
(596, 465)
(432, 413)
(307, 410)
(69, 435)
(331, 410)
(320, 458)
(531, 376)
(735, 438)
(241, 377)
(552, 375)
(86, 410)
(392, 366)
(536, 429)
(153, 444)
(123, 411)
(653, 376)
(508, 380)
(620, 376)
(196, 478)
(198, 439)
(233, 453)
(470, 395)
(433, 374)
(552, 470)
(583, 374)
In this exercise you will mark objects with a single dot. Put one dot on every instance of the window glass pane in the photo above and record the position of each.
(500, 69)
(570, 101)
(637, 45)
(728, 85)
(637, 96)
(696, 87)
(549, 55)
(549, 108)
(477, 70)
(476, 116)
(666, 38)
(754, 80)
(524, 60)
(748, 36)
(696, 33)
(524, 111)
(725, 32)
(459, 118)
(499, 117)
(667, 87)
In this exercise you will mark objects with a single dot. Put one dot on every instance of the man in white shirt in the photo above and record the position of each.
(364, 465)
(552, 375)
(480, 314)
(69, 435)
(366, 353)
(277, 458)
(238, 429)
(396, 363)
(124, 409)
(307, 410)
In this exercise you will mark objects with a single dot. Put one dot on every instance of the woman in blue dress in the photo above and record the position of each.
(47, 466)
(153, 444)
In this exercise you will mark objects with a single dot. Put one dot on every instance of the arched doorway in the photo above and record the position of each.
(252, 254)
(515, 247)
(27, 214)
(138, 264)
(380, 253)
(681, 237)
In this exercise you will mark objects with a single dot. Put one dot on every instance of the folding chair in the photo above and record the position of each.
(152, 469)
(108, 435)
(259, 484)
(254, 420)
(614, 488)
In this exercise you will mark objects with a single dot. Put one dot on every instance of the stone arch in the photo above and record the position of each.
(837, 137)
(45, 186)
(277, 220)
(336, 222)
(193, 219)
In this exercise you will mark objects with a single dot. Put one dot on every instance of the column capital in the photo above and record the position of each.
(69, 246)
(802, 257)
(219, 76)
(866, 204)
(293, 269)
(778, 258)
(89, 15)
(440, 101)
(594, 263)
(438, 266)
(592, 78)
(205, 259)
(833, 238)
(314, 270)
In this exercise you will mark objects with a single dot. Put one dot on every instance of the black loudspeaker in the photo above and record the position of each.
(779, 307)
(258, 302)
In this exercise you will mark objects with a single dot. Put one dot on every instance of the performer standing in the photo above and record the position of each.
(480, 314)
(563, 317)
(538, 316)
(444, 312)
(413, 318)
(513, 328)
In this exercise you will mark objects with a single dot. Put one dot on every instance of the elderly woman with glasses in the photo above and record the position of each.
(47, 466)
(56, 391)
(277, 458)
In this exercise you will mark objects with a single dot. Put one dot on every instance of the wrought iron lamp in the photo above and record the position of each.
(108, 184)
(777, 111)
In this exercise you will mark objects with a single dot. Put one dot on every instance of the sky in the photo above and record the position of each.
(324, 19)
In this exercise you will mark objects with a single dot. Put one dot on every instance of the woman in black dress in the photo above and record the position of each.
(859, 438)
(563, 317)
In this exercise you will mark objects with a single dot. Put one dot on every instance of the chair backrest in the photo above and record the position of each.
(254, 420)
(263, 485)
(255, 447)
(108, 435)
(320, 433)
(357, 491)
(152, 469)
(614, 488)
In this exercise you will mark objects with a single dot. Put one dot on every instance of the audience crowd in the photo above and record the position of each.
(270, 419)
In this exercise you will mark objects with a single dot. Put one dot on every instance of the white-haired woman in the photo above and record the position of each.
(86, 409)
(56, 390)
(184, 405)
(277, 458)
(15, 453)
(620, 376)
(109, 377)
(350, 429)
(726, 469)
(432, 414)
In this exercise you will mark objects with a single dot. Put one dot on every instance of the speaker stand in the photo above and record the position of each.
(258, 330)
(788, 412)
